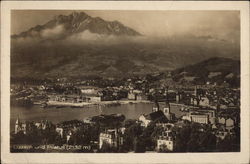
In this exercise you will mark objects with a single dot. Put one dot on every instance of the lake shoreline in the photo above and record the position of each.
(88, 104)
(56, 115)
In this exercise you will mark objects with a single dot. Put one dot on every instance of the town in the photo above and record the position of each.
(209, 120)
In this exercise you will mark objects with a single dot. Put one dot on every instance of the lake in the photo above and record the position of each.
(56, 115)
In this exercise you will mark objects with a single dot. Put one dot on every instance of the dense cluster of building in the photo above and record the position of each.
(220, 123)
(215, 107)
(63, 92)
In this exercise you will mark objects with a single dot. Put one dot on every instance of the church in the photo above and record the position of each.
(19, 126)
(163, 115)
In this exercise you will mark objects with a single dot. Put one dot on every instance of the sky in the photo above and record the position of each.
(220, 24)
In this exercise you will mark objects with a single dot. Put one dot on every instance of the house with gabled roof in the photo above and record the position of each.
(157, 116)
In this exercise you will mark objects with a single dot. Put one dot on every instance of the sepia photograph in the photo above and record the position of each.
(125, 81)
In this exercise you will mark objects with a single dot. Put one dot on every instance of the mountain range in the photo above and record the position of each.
(79, 22)
(79, 45)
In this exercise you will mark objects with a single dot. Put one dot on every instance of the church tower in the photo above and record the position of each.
(167, 109)
(17, 125)
(156, 106)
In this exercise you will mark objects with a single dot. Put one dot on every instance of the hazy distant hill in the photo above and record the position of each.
(78, 45)
(213, 70)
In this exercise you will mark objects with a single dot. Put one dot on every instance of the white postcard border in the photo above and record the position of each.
(7, 157)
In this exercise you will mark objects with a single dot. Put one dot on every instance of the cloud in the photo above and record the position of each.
(35, 37)
(87, 37)
(53, 32)
(25, 41)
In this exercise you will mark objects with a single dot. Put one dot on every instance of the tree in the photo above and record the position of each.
(49, 134)
(228, 144)
(193, 143)
(131, 132)
(34, 136)
(182, 138)
(139, 145)
(163, 148)
(150, 135)
(207, 141)
(107, 148)
(59, 141)
(19, 138)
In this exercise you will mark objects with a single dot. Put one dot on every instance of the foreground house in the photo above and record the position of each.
(165, 141)
(110, 137)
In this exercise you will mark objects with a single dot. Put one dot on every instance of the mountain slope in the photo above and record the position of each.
(78, 45)
(213, 70)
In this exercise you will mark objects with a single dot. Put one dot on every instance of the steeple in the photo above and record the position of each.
(17, 120)
(167, 101)
(17, 126)
(156, 107)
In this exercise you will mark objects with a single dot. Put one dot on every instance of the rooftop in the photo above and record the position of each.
(156, 115)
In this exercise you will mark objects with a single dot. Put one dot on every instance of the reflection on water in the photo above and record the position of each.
(36, 113)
